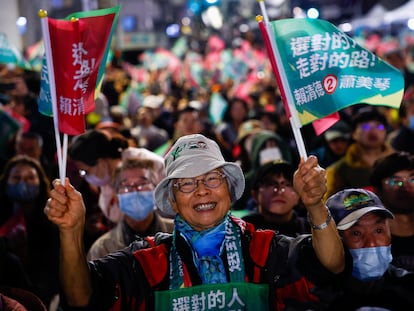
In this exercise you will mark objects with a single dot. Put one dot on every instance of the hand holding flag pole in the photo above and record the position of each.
(76, 49)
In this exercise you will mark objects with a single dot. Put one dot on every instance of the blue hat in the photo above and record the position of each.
(349, 205)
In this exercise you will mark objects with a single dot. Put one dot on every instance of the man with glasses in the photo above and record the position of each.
(212, 261)
(393, 181)
(277, 202)
(369, 132)
(135, 180)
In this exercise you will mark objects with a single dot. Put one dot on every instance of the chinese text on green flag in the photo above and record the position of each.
(328, 71)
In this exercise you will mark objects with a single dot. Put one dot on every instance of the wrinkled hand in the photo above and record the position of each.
(65, 206)
(309, 182)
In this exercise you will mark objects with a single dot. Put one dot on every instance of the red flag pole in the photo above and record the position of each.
(273, 63)
(290, 109)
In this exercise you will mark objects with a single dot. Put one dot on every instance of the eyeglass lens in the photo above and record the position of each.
(210, 180)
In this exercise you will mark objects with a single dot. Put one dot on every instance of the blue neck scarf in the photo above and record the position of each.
(207, 246)
(205, 243)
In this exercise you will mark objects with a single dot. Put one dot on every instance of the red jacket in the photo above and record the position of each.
(126, 280)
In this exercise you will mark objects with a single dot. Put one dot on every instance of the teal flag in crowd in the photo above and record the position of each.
(10, 55)
(328, 71)
(217, 107)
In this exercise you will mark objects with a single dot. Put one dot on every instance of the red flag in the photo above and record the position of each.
(78, 47)
(321, 125)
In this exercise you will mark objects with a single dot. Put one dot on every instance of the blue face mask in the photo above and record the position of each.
(370, 263)
(137, 205)
(411, 122)
(22, 192)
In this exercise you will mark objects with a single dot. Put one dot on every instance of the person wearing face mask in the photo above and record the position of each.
(96, 155)
(402, 138)
(212, 260)
(393, 181)
(266, 146)
(24, 228)
(135, 180)
(372, 281)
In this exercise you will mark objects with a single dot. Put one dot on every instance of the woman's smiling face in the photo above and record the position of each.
(204, 207)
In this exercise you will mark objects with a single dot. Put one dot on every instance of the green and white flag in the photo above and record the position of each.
(10, 55)
(327, 70)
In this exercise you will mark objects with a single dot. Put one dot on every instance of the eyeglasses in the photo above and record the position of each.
(398, 182)
(367, 127)
(132, 187)
(276, 187)
(210, 180)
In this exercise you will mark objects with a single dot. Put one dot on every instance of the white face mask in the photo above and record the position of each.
(269, 155)
(96, 181)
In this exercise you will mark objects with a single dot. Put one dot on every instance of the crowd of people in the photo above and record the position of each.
(166, 207)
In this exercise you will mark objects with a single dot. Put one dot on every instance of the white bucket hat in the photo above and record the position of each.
(145, 154)
(192, 156)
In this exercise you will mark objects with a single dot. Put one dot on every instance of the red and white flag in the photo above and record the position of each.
(77, 47)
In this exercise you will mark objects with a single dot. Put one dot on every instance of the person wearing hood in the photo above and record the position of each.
(266, 147)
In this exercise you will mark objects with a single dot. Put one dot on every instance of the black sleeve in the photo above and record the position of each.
(116, 278)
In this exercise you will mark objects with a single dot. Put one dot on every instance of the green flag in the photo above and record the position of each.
(9, 54)
(85, 14)
(328, 71)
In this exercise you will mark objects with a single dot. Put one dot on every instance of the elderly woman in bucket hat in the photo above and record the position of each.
(212, 261)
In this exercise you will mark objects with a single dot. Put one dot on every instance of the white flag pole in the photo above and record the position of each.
(64, 156)
(284, 84)
(52, 85)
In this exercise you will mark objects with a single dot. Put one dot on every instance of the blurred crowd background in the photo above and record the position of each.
(182, 67)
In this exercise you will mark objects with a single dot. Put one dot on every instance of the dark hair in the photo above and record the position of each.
(389, 165)
(44, 185)
(94, 145)
(278, 167)
(408, 100)
(227, 114)
(367, 114)
(187, 108)
(272, 115)
(131, 164)
(31, 135)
